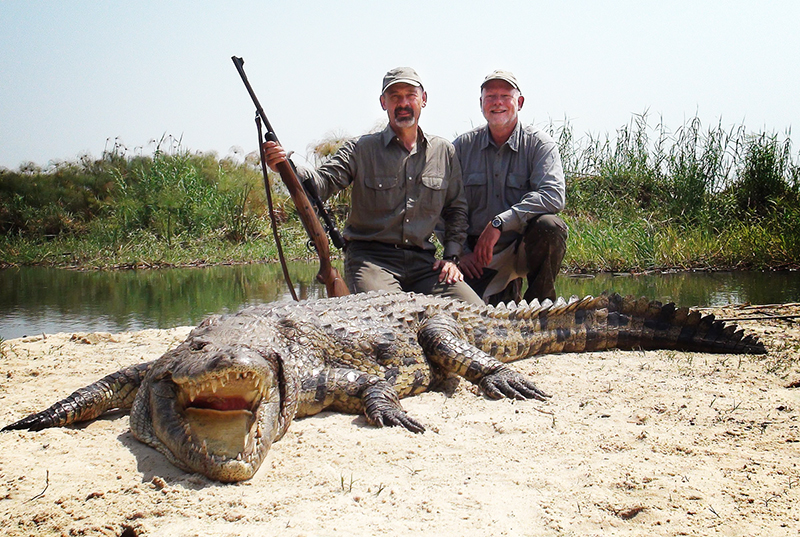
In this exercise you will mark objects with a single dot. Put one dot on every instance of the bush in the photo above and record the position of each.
(171, 193)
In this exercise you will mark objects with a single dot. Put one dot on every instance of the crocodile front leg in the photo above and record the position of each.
(445, 345)
(352, 391)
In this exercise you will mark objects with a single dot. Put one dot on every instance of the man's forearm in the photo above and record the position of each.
(324, 188)
(455, 230)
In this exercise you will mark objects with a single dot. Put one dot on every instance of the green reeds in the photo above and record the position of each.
(714, 176)
(649, 198)
(643, 198)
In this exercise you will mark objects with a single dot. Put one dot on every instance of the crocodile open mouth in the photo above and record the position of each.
(221, 412)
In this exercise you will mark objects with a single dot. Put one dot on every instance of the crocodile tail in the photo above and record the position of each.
(631, 323)
(114, 391)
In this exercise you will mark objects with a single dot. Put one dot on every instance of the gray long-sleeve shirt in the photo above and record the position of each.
(517, 181)
(398, 196)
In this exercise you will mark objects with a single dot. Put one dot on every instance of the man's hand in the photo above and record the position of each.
(485, 245)
(470, 267)
(448, 271)
(274, 154)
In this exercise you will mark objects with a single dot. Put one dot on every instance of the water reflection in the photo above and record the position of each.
(693, 288)
(36, 300)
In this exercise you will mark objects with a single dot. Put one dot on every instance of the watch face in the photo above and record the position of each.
(497, 223)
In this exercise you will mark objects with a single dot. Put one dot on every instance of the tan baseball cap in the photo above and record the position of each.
(505, 76)
(397, 75)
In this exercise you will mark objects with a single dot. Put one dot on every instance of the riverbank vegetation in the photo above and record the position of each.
(641, 198)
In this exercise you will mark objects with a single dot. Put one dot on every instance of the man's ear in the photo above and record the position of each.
(521, 101)
(424, 98)
(383, 102)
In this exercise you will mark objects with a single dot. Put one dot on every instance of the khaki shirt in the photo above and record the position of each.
(398, 197)
(517, 181)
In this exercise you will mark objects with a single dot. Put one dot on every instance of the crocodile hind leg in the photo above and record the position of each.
(352, 391)
(114, 391)
(444, 344)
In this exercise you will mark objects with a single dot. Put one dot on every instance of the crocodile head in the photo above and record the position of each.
(213, 410)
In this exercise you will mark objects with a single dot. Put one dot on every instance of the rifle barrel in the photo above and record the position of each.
(327, 274)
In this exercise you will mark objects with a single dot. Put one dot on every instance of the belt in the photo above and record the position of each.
(373, 244)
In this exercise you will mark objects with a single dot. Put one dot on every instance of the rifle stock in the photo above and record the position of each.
(327, 274)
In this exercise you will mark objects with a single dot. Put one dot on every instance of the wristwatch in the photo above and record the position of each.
(453, 259)
(497, 223)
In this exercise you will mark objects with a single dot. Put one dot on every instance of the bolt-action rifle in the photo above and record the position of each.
(328, 275)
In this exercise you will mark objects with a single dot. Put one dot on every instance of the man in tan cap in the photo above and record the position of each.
(515, 186)
(403, 181)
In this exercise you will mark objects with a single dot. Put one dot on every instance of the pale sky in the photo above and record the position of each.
(77, 75)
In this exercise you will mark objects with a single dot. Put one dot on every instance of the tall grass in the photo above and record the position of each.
(171, 207)
(691, 175)
(175, 194)
(648, 197)
(170, 194)
(644, 197)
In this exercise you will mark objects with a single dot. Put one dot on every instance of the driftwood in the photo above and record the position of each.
(760, 318)
(758, 307)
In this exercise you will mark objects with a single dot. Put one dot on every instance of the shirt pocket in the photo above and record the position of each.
(475, 179)
(518, 181)
(380, 183)
(432, 195)
(381, 194)
(517, 186)
(475, 190)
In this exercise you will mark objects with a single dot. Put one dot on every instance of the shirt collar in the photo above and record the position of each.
(512, 142)
(388, 135)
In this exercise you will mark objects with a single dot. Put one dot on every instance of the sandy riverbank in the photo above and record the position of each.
(632, 443)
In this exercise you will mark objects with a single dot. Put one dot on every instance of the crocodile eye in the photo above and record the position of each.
(159, 378)
(198, 344)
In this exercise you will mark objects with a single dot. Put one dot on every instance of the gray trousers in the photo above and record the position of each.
(376, 266)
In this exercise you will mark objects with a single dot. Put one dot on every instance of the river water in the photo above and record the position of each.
(36, 300)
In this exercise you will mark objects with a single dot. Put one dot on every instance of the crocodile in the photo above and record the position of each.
(215, 404)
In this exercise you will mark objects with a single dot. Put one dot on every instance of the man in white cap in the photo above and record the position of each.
(515, 186)
(403, 182)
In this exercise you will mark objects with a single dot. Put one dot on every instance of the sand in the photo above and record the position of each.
(632, 443)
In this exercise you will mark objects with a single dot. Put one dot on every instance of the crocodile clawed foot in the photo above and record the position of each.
(382, 408)
(507, 383)
(397, 418)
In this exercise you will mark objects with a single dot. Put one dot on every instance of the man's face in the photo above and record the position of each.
(403, 104)
(500, 103)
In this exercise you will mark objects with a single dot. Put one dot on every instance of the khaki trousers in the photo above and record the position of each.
(537, 257)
